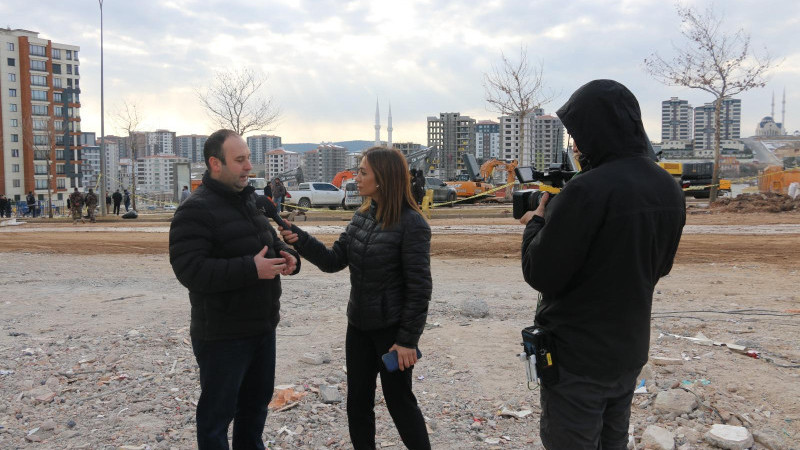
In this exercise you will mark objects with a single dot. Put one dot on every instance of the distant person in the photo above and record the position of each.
(7, 208)
(108, 201)
(76, 206)
(386, 247)
(117, 198)
(3, 202)
(229, 257)
(268, 190)
(418, 186)
(127, 200)
(278, 193)
(184, 193)
(30, 199)
(91, 205)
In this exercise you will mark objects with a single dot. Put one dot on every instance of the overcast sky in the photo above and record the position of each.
(328, 61)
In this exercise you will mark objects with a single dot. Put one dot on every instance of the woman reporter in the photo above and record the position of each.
(387, 248)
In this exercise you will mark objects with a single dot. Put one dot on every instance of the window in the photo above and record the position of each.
(10, 46)
(57, 69)
(15, 168)
(16, 183)
(39, 65)
(12, 62)
(39, 110)
(40, 95)
(56, 82)
(76, 70)
(56, 53)
(60, 155)
(15, 152)
(14, 123)
(60, 182)
(12, 77)
(39, 124)
(75, 56)
(39, 170)
(14, 138)
(12, 92)
(38, 80)
(58, 111)
(69, 55)
(58, 125)
(38, 50)
(40, 139)
(60, 169)
(12, 107)
(69, 69)
(57, 97)
(41, 184)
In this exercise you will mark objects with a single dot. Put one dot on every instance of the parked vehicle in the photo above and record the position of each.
(442, 192)
(351, 198)
(315, 195)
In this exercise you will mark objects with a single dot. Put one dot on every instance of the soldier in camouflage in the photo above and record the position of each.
(76, 206)
(91, 205)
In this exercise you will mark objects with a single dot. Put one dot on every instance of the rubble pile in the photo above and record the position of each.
(756, 203)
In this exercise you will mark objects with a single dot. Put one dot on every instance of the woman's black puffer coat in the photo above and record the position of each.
(390, 271)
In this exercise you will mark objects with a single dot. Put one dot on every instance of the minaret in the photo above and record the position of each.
(772, 109)
(389, 142)
(783, 113)
(377, 125)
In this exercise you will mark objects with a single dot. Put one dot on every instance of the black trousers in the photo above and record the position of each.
(583, 413)
(116, 208)
(363, 352)
(236, 381)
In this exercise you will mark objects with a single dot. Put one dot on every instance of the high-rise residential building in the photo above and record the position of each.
(548, 140)
(324, 162)
(191, 147)
(676, 120)
(511, 147)
(730, 123)
(159, 142)
(452, 135)
(154, 176)
(260, 145)
(39, 133)
(113, 168)
(406, 148)
(280, 161)
(487, 139)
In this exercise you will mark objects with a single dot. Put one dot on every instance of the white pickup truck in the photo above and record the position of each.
(314, 195)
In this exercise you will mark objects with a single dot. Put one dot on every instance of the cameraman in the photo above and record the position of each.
(595, 255)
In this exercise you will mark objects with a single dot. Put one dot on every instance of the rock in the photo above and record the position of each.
(675, 401)
(647, 373)
(684, 434)
(658, 438)
(768, 440)
(70, 423)
(330, 394)
(660, 361)
(729, 437)
(313, 358)
(42, 394)
(474, 308)
(48, 425)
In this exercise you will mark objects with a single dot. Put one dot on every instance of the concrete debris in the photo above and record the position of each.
(517, 414)
(330, 394)
(661, 361)
(474, 308)
(315, 359)
(729, 437)
(675, 401)
(657, 438)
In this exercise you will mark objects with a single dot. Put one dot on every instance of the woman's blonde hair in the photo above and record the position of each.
(394, 184)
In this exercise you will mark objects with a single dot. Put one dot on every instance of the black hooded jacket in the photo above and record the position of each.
(213, 238)
(606, 240)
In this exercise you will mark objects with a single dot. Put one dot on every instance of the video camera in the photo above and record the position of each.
(526, 200)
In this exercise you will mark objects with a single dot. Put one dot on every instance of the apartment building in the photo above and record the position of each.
(453, 135)
(191, 147)
(487, 139)
(39, 116)
(280, 161)
(704, 129)
(676, 120)
(260, 145)
(548, 140)
(154, 176)
(324, 162)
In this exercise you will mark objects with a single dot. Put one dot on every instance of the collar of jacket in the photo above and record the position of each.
(223, 190)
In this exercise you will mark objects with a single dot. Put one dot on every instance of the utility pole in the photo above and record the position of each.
(103, 209)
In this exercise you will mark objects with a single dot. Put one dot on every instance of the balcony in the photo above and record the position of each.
(41, 155)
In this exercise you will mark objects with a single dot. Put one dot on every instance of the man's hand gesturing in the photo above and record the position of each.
(269, 268)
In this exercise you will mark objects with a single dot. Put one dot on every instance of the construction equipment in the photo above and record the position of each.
(696, 180)
(777, 179)
(673, 168)
(487, 171)
(343, 176)
(471, 184)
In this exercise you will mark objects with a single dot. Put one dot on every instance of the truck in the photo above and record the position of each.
(315, 195)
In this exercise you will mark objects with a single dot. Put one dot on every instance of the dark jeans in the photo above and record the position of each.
(236, 381)
(116, 208)
(581, 412)
(363, 351)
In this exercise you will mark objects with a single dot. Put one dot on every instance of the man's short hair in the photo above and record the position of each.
(213, 145)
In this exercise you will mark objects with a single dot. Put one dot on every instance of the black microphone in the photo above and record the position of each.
(265, 205)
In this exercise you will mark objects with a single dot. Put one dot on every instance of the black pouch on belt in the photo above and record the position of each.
(539, 342)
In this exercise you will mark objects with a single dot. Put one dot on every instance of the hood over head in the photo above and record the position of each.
(604, 120)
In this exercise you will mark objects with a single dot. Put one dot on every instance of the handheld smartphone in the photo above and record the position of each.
(390, 360)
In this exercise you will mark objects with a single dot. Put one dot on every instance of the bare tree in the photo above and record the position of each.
(516, 88)
(233, 101)
(713, 61)
(127, 119)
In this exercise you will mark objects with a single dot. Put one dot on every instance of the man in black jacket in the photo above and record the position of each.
(230, 258)
(595, 254)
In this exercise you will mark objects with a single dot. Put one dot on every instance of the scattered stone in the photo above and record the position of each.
(729, 437)
(675, 401)
(70, 423)
(474, 308)
(330, 394)
(768, 440)
(42, 394)
(313, 359)
(510, 413)
(661, 361)
(657, 438)
(48, 425)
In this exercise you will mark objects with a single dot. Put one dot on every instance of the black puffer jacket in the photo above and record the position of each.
(607, 238)
(390, 271)
(213, 238)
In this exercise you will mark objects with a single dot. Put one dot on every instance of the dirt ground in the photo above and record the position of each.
(94, 349)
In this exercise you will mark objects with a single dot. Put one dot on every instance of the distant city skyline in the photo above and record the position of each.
(327, 63)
